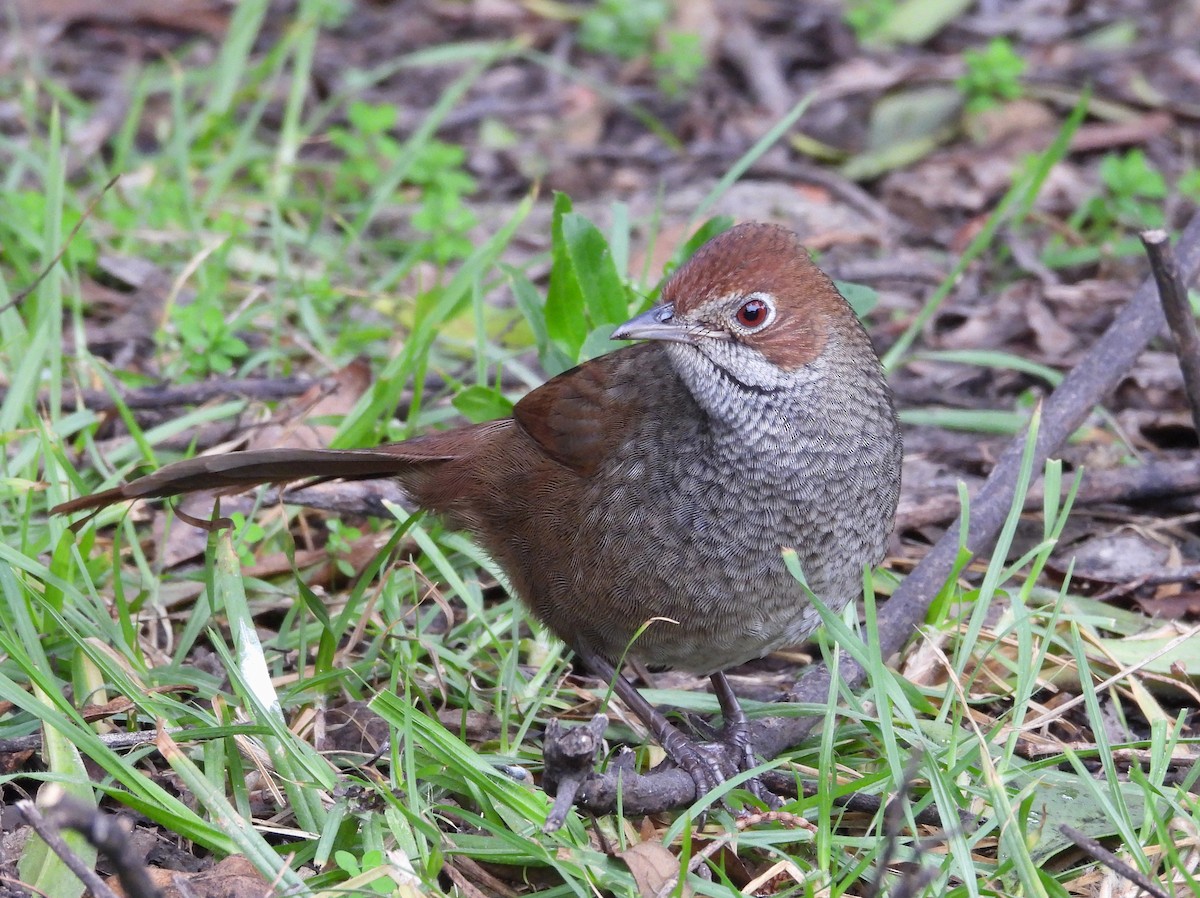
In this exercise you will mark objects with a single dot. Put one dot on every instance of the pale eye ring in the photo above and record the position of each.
(755, 313)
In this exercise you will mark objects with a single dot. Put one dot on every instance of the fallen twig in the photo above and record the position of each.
(1158, 478)
(1173, 294)
(107, 833)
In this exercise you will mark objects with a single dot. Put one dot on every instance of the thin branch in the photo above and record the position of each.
(166, 396)
(1173, 294)
(50, 833)
(1098, 852)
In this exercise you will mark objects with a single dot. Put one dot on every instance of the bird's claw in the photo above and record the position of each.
(710, 764)
(736, 738)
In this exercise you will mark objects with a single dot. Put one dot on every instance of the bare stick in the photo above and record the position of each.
(50, 833)
(1173, 294)
(570, 757)
(1098, 852)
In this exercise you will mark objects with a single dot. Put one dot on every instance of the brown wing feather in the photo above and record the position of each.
(570, 416)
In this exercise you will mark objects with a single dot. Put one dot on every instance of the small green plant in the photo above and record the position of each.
(438, 176)
(209, 344)
(1131, 196)
(867, 17)
(622, 28)
(1189, 184)
(631, 29)
(993, 75)
(435, 182)
(23, 219)
(679, 63)
(1129, 199)
(358, 867)
(340, 545)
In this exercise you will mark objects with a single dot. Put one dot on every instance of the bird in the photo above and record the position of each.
(641, 503)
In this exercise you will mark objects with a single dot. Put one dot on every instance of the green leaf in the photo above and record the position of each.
(915, 21)
(586, 289)
(593, 267)
(478, 403)
(564, 300)
(599, 342)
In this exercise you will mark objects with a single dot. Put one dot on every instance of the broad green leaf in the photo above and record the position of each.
(593, 268)
(565, 321)
(478, 403)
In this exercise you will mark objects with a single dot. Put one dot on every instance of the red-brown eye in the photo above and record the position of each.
(754, 314)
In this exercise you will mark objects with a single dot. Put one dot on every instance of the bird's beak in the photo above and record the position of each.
(658, 323)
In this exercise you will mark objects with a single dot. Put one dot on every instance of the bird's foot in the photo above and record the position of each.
(709, 764)
(735, 737)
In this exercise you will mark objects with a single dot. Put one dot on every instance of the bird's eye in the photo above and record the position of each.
(755, 314)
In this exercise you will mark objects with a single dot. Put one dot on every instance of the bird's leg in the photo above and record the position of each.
(704, 769)
(735, 732)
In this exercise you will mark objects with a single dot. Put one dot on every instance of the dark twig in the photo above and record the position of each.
(570, 757)
(174, 395)
(1097, 373)
(914, 880)
(1095, 850)
(110, 836)
(758, 63)
(1159, 478)
(50, 832)
(111, 740)
(362, 497)
(1173, 294)
(784, 783)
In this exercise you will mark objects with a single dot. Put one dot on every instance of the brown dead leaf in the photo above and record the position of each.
(654, 869)
(1000, 123)
(121, 328)
(1120, 557)
(123, 705)
(1108, 135)
(583, 112)
(234, 877)
(989, 325)
(354, 727)
(330, 398)
(1055, 342)
(1171, 607)
(473, 726)
(280, 563)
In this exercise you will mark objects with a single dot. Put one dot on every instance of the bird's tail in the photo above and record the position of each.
(254, 467)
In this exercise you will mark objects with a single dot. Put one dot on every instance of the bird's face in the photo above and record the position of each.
(750, 319)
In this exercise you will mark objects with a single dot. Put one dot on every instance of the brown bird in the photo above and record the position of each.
(662, 481)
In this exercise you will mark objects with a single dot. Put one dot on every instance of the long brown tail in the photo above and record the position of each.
(234, 469)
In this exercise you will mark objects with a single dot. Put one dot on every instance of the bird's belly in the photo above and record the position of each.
(682, 584)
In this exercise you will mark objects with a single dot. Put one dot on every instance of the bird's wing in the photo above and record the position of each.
(581, 416)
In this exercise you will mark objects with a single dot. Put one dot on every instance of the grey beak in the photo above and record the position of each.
(658, 323)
